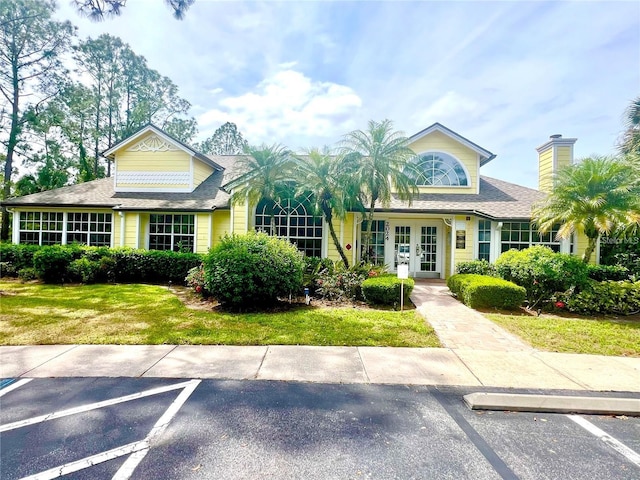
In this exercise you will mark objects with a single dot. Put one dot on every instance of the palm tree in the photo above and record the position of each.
(631, 137)
(318, 174)
(376, 160)
(595, 196)
(267, 171)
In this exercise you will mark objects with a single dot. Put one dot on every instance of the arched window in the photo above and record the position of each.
(438, 169)
(294, 220)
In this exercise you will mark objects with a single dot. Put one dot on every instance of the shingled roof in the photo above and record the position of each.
(100, 193)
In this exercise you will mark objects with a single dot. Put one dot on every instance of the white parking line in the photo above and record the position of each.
(92, 406)
(618, 446)
(127, 468)
(15, 385)
(136, 450)
(87, 462)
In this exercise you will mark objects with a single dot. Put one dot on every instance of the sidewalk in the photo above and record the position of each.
(417, 366)
(476, 353)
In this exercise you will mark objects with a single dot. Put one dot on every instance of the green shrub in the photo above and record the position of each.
(313, 266)
(152, 266)
(601, 273)
(253, 270)
(483, 291)
(27, 274)
(542, 272)
(385, 289)
(16, 257)
(195, 280)
(477, 267)
(84, 270)
(340, 283)
(609, 297)
(52, 262)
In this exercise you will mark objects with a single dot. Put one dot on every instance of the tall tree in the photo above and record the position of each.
(595, 196)
(226, 140)
(98, 10)
(630, 144)
(319, 173)
(267, 172)
(183, 129)
(376, 161)
(31, 44)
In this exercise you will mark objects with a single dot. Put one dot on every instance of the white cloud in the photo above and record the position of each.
(287, 106)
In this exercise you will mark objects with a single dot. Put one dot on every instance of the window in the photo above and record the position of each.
(89, 228)
(437, 169)
(376, 243)
(171, 232)
(484, 240)
(294, 221)
(41, 228)
(521, 235)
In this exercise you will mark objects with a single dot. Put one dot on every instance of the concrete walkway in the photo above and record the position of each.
(457, 325)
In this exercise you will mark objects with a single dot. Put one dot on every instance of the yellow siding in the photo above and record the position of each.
(130, 230)
(581, 245)
(465, 255)
(438, 141)
(203, 223)
(173, 161)
(563, 157)
(239, 218)
(545, 171)
(221, 225)
(200, 172)
(116, 229)
(447, 251)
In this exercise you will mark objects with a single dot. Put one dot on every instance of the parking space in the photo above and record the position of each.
(180, 428)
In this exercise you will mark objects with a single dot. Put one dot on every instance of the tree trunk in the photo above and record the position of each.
(334, 237)
(593, 243)
(11, 147)
(369, 230)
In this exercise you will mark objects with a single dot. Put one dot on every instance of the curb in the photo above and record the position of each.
(553, 404)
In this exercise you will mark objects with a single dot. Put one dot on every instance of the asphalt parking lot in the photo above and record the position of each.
(95, 428)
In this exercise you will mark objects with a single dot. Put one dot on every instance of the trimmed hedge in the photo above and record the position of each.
(78, 263)
(603, 273)
(484, 291)
(253, 270)
(385, 289)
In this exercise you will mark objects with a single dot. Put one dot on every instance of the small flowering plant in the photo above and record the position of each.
(195, 280)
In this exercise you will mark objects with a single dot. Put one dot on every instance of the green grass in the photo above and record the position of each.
(575, 335)
(32, 314)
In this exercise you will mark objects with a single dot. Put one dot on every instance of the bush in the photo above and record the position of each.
(153, 266)
(195, 280)
(487, 292)
(385, 289)
(340, 284)
(542, 272)
(52, 262)
(601, 273)
(313, 266)
(27, 274)
(84, 270)
(609, 297)
(253, 270)
(14, 258)
(477, 267)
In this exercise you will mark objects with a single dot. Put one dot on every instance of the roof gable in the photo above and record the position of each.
(485, 155)
(158, 141)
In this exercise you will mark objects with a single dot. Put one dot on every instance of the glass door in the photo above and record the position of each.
(428, 249)
(402, 246)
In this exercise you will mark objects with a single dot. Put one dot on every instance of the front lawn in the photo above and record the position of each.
(574, 334)
(33, 313)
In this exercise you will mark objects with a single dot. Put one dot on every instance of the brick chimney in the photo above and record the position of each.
(552, 156)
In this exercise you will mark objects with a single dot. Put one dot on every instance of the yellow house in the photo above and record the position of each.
(166, 195)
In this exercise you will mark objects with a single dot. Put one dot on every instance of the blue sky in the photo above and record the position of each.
(505, 75)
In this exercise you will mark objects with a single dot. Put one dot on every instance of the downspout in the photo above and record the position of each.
(121, 228)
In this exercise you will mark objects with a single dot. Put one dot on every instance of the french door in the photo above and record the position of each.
(417, 244)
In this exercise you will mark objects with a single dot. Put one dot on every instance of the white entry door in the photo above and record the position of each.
(417, 244)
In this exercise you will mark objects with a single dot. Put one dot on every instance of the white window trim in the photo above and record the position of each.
(464, 167)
